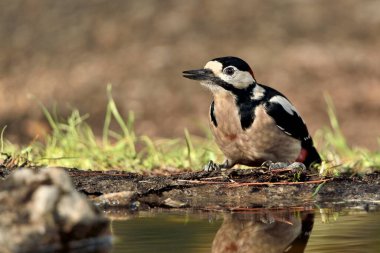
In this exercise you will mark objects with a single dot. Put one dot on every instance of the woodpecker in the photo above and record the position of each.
(263, 232)
(251, 122)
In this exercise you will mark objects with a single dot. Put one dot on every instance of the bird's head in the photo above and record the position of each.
(224, 73)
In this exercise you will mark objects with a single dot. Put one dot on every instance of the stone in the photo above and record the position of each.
(40, 210)
(118, 199)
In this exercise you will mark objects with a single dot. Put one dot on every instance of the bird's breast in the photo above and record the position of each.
(263, 140)
(227, 130)
(226, 114)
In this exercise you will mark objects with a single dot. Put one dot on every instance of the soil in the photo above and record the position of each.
(236, 189)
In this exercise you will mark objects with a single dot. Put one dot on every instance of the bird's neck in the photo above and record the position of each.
(239, 94)
(224, 100)
(222, 94)
(225, 113)
(236, 107)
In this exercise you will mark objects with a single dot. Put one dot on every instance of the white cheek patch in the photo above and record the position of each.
(288, 107)
(245, 78)
(216, 67)
(240, 79)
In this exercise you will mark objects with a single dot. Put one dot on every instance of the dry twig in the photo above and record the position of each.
(279, 183)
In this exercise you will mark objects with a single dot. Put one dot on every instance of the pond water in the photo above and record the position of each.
(319, 230)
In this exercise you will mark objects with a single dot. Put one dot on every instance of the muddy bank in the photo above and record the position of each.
(229, 190)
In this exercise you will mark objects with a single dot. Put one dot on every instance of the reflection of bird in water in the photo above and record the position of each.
(263, 233)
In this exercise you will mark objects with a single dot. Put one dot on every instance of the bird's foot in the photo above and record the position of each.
(295, 167)
(267, 219)
(211, 166)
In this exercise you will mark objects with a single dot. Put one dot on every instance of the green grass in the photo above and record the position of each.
(72, 143)
(338, 155)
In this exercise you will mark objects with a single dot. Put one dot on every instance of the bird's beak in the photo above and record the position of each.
(198, 74)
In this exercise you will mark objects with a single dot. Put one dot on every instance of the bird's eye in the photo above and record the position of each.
(229, 71)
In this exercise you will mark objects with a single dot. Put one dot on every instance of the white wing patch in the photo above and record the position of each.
(288, 107)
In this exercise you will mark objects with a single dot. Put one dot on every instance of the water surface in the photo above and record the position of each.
(312, 231)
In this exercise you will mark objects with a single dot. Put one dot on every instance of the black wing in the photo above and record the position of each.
(286, 117)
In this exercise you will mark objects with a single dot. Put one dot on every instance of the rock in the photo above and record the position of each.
(174, 203)
(118, 199)
(41, 211)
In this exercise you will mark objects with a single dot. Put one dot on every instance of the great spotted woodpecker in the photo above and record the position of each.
(252, 123)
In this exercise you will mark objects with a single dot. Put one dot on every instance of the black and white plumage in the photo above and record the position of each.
(252, 123)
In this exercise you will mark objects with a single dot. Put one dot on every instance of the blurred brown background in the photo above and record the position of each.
(65, 52)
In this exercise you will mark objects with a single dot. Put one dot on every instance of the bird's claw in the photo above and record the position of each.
(274, 166)
(211, 166)
(266, 164)
(267, 219)
(295, 167)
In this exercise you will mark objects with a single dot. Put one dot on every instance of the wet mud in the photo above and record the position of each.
(236, 189)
